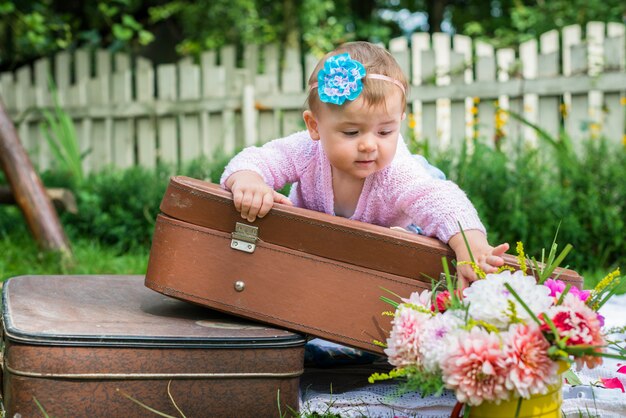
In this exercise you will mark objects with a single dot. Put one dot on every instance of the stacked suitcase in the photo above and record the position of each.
(107, 346)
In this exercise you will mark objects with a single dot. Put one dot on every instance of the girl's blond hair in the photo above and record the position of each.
(376, 60)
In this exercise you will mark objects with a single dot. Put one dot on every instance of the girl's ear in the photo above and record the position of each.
(403, 116)
(311, 124)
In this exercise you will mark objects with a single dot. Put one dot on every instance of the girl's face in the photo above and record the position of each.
(358, 139)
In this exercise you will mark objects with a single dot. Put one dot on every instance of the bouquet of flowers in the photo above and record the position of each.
(504, 337)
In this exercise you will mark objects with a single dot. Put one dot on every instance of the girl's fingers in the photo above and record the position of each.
(255, 206)
(280, 198)
(500, 249)
(266, 204)
(246, 204)
(237, 199)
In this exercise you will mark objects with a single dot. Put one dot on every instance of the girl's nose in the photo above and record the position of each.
(367, 144)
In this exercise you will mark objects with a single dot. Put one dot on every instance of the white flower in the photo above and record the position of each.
(436, 335)
(489, 300)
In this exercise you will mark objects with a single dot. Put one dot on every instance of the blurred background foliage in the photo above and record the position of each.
(165, 30)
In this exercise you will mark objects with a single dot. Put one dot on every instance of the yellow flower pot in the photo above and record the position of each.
(537, 406)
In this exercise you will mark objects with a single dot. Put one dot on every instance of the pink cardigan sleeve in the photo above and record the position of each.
(437, 206)
(279, 162)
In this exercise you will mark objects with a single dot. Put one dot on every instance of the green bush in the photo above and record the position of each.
(526, 198)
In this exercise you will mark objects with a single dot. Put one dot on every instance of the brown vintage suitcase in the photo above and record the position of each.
(299, 269)
(79, 345)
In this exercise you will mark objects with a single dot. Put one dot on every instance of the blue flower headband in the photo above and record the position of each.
(340, 79)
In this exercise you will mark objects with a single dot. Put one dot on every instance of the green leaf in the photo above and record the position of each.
(121, 32)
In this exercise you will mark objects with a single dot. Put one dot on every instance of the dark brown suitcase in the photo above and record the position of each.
(79, 345)
(299, 269)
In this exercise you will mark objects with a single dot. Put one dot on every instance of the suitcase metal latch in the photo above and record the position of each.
(244, 238)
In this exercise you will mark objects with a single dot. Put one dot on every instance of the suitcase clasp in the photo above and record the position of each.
(244, 238)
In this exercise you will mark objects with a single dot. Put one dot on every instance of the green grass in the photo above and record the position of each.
(20, 255)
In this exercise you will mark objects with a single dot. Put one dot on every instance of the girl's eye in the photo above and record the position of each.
(384, 133)
(350, 133)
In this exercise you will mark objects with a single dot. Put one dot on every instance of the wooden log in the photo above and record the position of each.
(63, 199)
(28, 189)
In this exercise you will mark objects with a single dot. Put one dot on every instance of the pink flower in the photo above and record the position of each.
(404, 339)
(557, 287)
(622, 369)
(476, 368)
(612, 383)
(531, 370)
(580, 325)
(420, 299)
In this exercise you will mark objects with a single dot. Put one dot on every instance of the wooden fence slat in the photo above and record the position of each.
(429, 110)
(577, 122)
(121, 62)
(167, 126)
(292, 76)
(595, 60)
(42, 99)
(190, 134)
(529, 59)
(123, 129)
(103, 62)
(83, 64)
(251, 62)
(549, 115)
(62, 71)
(250, 116)
(228, 60)
(463, 45)
(102, 137)
(399, 48)
(7, 91)
(146, 132)
(614, 127)
(84, 127)
(267, 84)
(442, 43)
(23, 101)
(419, 42)
(457, 107)
(486, 72)
(506, 64)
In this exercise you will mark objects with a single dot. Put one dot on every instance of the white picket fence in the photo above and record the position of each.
(127, 111)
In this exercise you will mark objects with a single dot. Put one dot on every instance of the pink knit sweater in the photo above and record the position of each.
(399, 195)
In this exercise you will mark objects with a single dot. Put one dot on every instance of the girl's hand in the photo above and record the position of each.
(488, 258)
(252, 196)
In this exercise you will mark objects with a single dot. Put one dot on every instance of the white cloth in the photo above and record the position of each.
(344, 390)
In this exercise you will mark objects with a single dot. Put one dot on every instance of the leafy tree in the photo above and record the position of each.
(32, 28)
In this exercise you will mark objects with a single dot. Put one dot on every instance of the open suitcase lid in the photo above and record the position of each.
(101, 310)
(370, 246)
